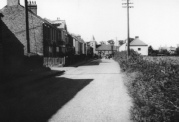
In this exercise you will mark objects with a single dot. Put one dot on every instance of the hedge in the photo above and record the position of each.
(155, 89)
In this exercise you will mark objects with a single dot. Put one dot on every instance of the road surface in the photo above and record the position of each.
(103, 99)
(93, 92)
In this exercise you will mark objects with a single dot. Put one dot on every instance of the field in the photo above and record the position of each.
(154, 88)
(158, 59)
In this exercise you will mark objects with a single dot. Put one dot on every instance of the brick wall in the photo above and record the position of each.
(14, 19)
(14, 38)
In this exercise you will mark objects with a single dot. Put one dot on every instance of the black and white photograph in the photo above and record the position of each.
(89, 60)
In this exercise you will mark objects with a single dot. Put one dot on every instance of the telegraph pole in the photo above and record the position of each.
(128, 27)
(27, 26)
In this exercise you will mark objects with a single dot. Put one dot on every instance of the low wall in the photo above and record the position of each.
(49, 61)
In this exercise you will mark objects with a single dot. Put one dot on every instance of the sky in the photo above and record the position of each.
(156, 22)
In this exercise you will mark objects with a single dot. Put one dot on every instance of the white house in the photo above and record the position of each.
(137, 45)
(93, 44)
(171, 50)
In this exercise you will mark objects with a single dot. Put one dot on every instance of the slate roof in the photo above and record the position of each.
(137, 42)
(105, 47)
(77, 37)
(61, 24)
(8, 9)
(80, 40)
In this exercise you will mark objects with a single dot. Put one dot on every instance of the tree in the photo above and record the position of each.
(111, 42)
(150, 50)
(177, 51)
(102, 42)
(164, 51)
(121, 42)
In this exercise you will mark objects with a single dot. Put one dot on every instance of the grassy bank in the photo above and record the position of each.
(155, 88)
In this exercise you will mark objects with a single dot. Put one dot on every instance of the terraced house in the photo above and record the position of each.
(45, 39)
(66, 45)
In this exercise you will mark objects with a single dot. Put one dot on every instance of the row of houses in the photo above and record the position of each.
(135, 43)
(48, 39)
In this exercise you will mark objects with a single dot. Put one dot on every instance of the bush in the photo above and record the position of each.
(155, 91)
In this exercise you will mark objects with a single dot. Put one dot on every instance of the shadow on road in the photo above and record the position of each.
(94, 62)
(37, 101)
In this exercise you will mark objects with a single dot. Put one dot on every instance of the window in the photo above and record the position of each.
(57, 49)
(50, 49)
(139, 49)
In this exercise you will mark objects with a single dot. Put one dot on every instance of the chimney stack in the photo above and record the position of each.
(12, 2)
(32, 6)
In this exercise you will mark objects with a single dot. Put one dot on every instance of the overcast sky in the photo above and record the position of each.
(156, 22)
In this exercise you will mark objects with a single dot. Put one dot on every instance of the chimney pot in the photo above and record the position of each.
(33, 7)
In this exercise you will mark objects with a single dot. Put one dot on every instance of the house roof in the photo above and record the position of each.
(20, 7)
(105, 47)
(137, 42)
(78, 38)
(61, 24)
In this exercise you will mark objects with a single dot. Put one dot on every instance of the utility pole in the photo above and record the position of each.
(27, 26)
(128, 28)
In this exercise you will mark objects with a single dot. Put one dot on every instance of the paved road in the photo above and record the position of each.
(103, 97)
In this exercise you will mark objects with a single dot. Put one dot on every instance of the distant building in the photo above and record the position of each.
(93, 44)
(171, 50)
(80, 46)
(137, 45)
(106, 49)
(62, 27)
(89, 49)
